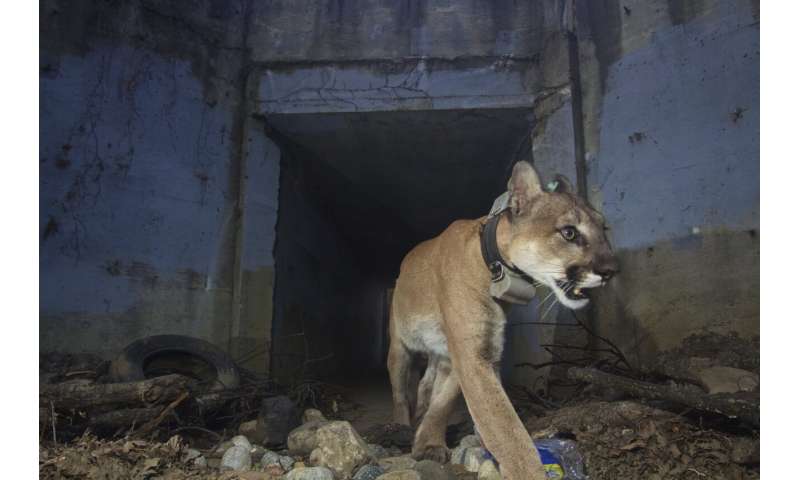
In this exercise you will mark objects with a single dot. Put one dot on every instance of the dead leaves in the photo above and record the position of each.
(623, 440)
(89, 457)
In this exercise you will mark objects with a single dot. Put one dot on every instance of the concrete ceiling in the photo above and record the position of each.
(392, 179)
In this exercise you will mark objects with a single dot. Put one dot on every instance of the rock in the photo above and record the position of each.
(236, 458)
(470, 457)
(251, 475)
(190, 454)
(274, 470)
(391, 464)
(745, 450)
(313, 473)
(312, 414)
(368, 472)
(246, 427)
(458, 472)
(222, 448)
(253, 431)
(430, 470)
(720, 379)
(242, 441)
(194, 457)
(256, 452)
(394, 451)
(270, 458)
(276, 418)
(488, 471)
(303, 439)
(470, 441)
(340, 448)
(286, 462)
(401, 475)
(457, 455)
(377, 451)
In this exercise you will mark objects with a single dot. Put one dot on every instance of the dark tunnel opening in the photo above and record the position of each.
(357, 192)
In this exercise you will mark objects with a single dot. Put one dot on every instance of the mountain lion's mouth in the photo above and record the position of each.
(571, 291)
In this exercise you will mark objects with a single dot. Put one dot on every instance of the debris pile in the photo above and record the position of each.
(319, 449)
(693, 414)
(630, 440)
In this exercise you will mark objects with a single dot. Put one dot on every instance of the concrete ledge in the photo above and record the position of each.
(412, 85)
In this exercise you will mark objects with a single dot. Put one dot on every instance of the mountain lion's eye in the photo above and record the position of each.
(569, 233)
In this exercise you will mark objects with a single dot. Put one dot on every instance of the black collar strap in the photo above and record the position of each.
(491, 254)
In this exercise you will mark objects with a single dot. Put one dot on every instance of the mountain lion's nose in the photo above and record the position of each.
(607, 268)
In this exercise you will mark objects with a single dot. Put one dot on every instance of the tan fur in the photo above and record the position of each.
(442, 308)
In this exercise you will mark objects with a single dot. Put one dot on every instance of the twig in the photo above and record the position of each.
(699, 473)
(79, 372)
(554, 324)
(199, 429)
(578, 347)
(154, 423)
(219, 442)
(617, 352)
(537, 366)
(53, 421)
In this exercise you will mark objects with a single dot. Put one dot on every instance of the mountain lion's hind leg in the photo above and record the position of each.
(399, 365)
(429, 441)
(425, 389)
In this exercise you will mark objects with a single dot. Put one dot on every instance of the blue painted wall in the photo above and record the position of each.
(671, 103)
(679, 131)
(133, 197)
(147, 161)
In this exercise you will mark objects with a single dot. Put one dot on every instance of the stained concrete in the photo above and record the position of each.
(410, 85)
(133, 178)
(425, 169)
(358, 192)
(247, 171)
(308, 30)
(671, 95)
(159, 165)
(141, 132)
(317, 280)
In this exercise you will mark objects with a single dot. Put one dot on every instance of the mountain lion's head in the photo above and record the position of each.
(557, 238)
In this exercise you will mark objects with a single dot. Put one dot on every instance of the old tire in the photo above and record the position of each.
(129, 366)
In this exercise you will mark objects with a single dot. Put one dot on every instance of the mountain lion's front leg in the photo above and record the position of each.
(469, 330)
(429, 440)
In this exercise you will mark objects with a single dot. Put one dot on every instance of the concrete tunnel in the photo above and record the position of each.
(252, 174)
(248, 175)
(366, 178)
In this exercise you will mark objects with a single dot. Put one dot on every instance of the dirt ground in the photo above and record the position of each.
(617, 440)
(630, 440)
(618, 437)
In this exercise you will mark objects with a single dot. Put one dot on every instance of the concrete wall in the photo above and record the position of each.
(318, 294)
(671, 92)
(143, 152)
(159, 189)
(305, 31)
(159, 183)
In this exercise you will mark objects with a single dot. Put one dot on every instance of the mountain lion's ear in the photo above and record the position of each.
(523, 186)
(560, 184)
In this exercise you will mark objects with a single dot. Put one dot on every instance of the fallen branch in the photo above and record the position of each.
(147, 427)
(615, 350)
(145, 392)
(123, 418)
(740, 405)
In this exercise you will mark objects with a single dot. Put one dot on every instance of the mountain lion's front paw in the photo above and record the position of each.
(437, 453)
